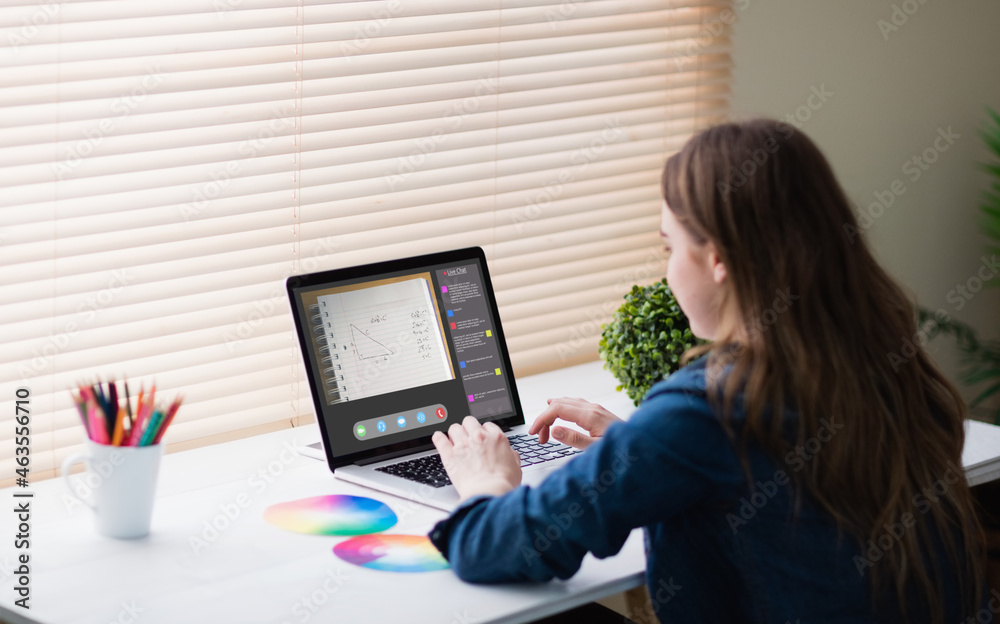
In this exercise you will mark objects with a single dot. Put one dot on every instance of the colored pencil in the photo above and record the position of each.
(96, 425)
(144, 414)
(116, 437)
(166, 419)
(89, 407)
(102, 402)
(137, 422)
(112, 409)
(150, 432)
(128, 405)
(81, 408)
(107, 421)
(137, 428)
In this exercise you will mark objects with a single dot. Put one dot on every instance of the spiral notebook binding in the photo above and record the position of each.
(332, 381)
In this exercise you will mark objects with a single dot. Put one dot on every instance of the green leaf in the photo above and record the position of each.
(645, 337)
(981, 376)
(995, 388)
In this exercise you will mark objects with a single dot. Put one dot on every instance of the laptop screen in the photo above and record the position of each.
(398, 350)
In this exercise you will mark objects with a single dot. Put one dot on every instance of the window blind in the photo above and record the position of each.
(164, 166)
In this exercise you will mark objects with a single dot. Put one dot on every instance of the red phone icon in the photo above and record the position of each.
(440, 412)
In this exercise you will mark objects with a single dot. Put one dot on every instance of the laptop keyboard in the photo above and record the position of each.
(430, 471)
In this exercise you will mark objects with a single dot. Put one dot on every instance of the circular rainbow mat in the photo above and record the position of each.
(392, 553)
(334, 514)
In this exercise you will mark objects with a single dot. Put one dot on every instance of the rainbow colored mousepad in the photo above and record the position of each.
(333, 514)
(392, 553)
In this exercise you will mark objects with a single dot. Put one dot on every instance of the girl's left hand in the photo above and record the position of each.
(478, 458)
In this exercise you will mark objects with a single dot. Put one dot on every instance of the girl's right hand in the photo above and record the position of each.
(591, 416)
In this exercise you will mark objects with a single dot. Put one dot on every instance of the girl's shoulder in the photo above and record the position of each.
(689, 379)
(686, 391)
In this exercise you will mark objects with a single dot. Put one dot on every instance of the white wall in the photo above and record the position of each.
(891, 93)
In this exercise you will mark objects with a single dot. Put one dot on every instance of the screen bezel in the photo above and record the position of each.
(457, 256)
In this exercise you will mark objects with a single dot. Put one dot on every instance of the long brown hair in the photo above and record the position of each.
(827, 334)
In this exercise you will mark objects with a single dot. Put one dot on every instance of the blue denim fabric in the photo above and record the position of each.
(716, 550)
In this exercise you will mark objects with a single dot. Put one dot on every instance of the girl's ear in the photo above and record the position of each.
(718, 269)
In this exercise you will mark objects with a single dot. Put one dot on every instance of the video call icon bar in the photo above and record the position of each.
(400, 421)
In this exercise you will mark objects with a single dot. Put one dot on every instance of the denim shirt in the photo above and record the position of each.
(716, 550)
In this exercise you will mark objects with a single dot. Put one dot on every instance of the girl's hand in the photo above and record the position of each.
(478, 458)
(591, 416)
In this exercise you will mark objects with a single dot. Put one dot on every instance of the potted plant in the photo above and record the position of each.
(981, 358)
(645, 339)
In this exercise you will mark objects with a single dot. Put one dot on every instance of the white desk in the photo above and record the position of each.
(254, 572)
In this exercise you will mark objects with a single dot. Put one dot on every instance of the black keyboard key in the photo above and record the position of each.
(430, 471)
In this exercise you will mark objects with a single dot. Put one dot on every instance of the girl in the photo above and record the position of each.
(802, 468)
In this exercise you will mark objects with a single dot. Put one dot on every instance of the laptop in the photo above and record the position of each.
(397, 350)
(11, 616)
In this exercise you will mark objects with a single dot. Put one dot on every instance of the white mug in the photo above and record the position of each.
(121, 481)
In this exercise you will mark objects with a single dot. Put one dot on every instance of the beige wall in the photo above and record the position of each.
(891, 93)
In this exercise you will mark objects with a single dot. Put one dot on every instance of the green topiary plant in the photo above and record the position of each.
(644, 341)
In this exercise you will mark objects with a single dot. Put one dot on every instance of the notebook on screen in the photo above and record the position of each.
(397, 350)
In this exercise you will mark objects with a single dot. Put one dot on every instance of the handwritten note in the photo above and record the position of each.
(388, 338)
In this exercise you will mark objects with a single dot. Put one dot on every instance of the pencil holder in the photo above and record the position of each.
(119, 485)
